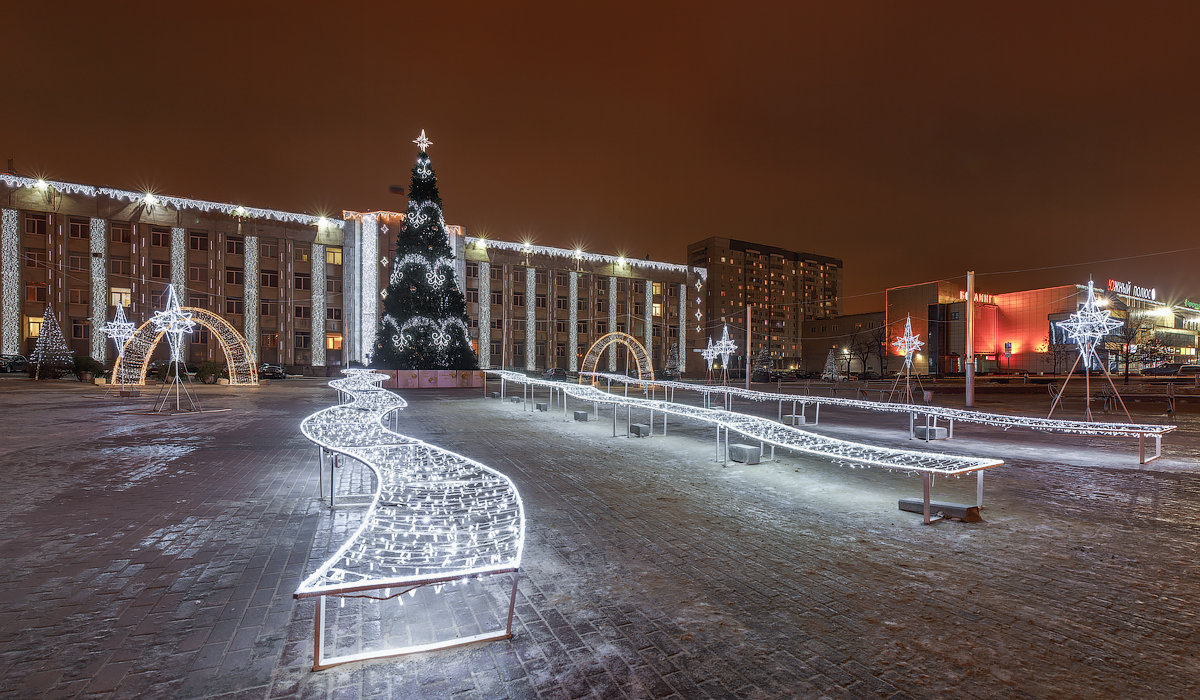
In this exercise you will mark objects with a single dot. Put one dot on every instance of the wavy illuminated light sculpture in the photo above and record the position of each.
(999, 420)
(435, 517)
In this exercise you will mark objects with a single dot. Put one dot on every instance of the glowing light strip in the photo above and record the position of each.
(177, 203)
(530, 319)
(778, 434)
(485, 316)
(447, 516)
(98, 303)
(648, 307)
(612, 320)
(683, 326)
(369, 292)
(252, 308)
(978, 417)
(10, 282)
(318, 305)
(573, 316)
(589, 257)
(179, 246)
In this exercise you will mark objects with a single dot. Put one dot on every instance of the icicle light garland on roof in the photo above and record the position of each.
(589, 257)
(434, 516)
(177, 203)
(958, 414)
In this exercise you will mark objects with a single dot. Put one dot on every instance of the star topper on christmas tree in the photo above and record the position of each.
(174, 322)
(908, 343)
(1088, 326)
(422, 142)
(120, 330)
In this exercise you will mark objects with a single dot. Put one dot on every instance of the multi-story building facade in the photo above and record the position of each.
(306, 291)
(781, 287)
(82, 250)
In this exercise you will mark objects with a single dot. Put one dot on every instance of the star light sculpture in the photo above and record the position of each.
(422, 142)
(709, 354)
(908, 343)
(120, 330)
(725, 346)
(1088, 327)
(174, 322)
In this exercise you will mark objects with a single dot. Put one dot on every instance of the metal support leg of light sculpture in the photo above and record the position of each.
(615, 420)
(979, 489)
(1062, 390)
(322, 662)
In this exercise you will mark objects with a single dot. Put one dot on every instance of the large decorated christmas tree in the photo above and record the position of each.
(424, 324)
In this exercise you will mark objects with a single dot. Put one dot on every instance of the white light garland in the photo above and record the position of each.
(252, 306)
(530, 319)
(369, 289)
(612, 320)
(435, 517)
(573, 321)
(709, 354)
(484, 305)
(317, 318)
(98, 303)
(582, 256)
(10, 282)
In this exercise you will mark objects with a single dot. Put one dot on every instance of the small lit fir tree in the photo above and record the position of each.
(51, 357)
(424, 324)
(831, 373)
(672, 368)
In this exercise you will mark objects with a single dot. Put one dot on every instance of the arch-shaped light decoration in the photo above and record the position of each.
(133, 361)
(645, 367)
(434, 518)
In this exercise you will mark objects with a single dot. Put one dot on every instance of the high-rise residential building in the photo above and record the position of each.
(781, 287)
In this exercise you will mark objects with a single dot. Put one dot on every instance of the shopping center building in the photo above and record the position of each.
(1018, 331)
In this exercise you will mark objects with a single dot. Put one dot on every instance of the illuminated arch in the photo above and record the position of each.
(644, 367)
(135, 358)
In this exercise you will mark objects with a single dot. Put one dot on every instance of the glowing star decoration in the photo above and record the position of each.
(709, 354)
(174, 323)
(422, 142)
(908, 343)
(119, 330)
(725, 346)
(1088, 326)
(435, 519)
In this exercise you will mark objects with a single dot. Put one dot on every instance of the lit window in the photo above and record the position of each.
(35, 326)
(333, 256)
(333, 341)
(120, 296)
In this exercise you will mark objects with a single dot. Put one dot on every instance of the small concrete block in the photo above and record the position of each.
(542, 406)
(795, 419)
(515, 399)
(749, 454)
(935, 433)
(951, 511)
(495, 394)
(581, 416)
(640, 429)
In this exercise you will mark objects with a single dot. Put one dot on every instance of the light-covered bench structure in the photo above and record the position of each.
(917, 413)
(435, 517)
(763, 430)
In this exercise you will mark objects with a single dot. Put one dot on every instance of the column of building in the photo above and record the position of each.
(484, 305)
(612, 320)
(317, 259)
(10, 284)
(530, 319)
(683, 325)
(573, 327)
(648, 323)
(178, 263)
(251, 306)
(369, 289)
(98, 301)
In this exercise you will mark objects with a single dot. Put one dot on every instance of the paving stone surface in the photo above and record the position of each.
(154, 557)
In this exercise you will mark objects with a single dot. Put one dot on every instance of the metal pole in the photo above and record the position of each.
(747, 363)
(970, 398)
(979, 488)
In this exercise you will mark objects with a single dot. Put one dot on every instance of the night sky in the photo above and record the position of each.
(912, 140)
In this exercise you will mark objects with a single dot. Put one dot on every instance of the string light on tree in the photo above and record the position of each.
(51, 357)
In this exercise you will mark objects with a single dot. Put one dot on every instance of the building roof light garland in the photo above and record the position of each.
(177, 203)
(576, 254)
(774, 433)
(999, 420)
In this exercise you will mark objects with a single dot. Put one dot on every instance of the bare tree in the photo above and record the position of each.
(1131, 335)
(878, 338)
(1059, 354)
(862, 346)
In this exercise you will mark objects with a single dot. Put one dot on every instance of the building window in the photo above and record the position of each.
(518, 299)
(333, 341)
(333, 285)
(472, 296)
(300, 254)
(497, 298)
(518, 274)
(497, 273)
(497, 324)
(269, 278)
(268, 248)
(35, 292)
(303, 280)
(35, 326)
(541, 301)
(495, 348)
(120, 233)
(266, 308)
(234, 305)
(303, 340)
(199, 301)
(235, 275)
(562, 303)
(560, 279)
(620, 308)
(120, 266)
(270, 340)
(35, 225)
(78, 228)
(200, 336)
(332, 313)
(560, 326)
(160, 237)
(235, 245)
(79, 329)
(303, 312)
(639, 286)
(602, 305)
(35, 257)
(120, 296)
(620, 285)
(333, 256)
(78, 296)
(518, 350)
(198, 240)
(639, 309)
(196, 273)
(160, 269)
(540, 276)
(601, 327)
(581, 327)
(472, 270)
(77, 263)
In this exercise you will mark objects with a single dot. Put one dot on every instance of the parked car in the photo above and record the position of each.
(1169, 369)
(555, 374)
(668, 374)
(271, 371)
(13, 363)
